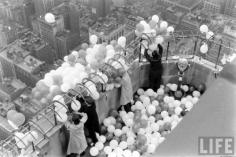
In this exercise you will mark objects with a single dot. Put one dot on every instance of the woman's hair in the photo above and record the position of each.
(76, 118)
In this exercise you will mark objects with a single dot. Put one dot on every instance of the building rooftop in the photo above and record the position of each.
(106, 26)
(20, 57)
(11, 86)
(31, 41)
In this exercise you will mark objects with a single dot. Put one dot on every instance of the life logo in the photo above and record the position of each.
(216, 146)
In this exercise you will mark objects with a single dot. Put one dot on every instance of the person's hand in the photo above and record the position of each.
(84, 118)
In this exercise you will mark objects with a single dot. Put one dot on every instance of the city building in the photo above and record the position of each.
(48, 31)
(229, 7)
(184, 5)
(44, 6)
(11, 89)
(131, 22)
(107, 30)
(101, 8)
(71, 14)
(119, 3)
(66, 41)
(212, 6)
(38, 47)
(172, 15)
(17, 62)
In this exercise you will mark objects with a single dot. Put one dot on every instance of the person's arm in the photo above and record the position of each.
(160, 49)
(147, 55)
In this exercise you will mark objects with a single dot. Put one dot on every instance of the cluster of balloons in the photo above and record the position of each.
(154, 29)
(209, 34)
(23, 139)
(76, 67)
(154, 115)
(15, 118)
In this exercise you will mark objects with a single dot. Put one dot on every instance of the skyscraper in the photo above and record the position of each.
(44, 6)
(100, 8)
(48, 31)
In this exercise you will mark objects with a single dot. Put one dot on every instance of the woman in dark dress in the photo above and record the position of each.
(88, 106)
(156, 69)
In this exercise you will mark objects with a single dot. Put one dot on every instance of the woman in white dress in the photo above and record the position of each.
(77, 142)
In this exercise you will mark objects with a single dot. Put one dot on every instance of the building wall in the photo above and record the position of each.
(8, 69)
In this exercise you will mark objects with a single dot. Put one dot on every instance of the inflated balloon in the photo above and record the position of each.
(123, 145)
(122, 41)
(75, 105)
(204, 48)
(160, 91)
(99, 145)
(102, 139)
(127, 153)
(163, 25)
(113, 144)
(164, 114)
(117, 132)
(49, 18)
(204, 28)
(135, 154)
(178, 110)
(155, 18)
(93, 39)
(18, 119)
(112, 154)
(130, 140)
(71, 59)
(61, 117)
(196, 93)
(152, 24)
(188, 105)
(111, 128)
(143, 123)
(65, 87)
(178, 94)
(107, 150)
(140, 27)
(10, 114)
(109, 136)
(151, 109)
(94, 151)
(170, 29)
(151, 148)
(201, 88)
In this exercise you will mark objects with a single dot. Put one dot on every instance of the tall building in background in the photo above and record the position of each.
(44, 6)
(101, 8)
(229, 7)
(48, 31)
(212, 6)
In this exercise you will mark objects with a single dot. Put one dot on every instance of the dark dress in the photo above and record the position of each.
(156, 68)
(92, 124)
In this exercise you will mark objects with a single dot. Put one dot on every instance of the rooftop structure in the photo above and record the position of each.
(10, 89)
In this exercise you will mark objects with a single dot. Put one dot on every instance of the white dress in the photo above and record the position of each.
(126, 90)
(77, 143)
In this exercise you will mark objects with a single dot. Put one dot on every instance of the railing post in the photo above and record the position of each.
(167, 50)
(195, 47)
(218, 55)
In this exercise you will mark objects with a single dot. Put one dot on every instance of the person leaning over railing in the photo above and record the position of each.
(156, 69)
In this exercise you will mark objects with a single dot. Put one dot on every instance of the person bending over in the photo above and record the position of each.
(156, 68)
(77, 141)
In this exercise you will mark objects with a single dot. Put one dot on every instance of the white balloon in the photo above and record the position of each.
(111, 128)
(151, 109)
(140, 91)
(93, 39)
(75, 53)
(65, 87)
(49, 18)
(204, 28)
(61, 117)
(123, 145)
(155, 103)
(204, 48)
(170, 29)
(164, 114)
(130, 141)
(112, 154)
(75, 105)
(178, 110)
(102, 139)
(155, 18)
(135, 154)
(196, 93)
(151, 148)
(113, 144)
(117, 132)
(163, 25)
(107, 150)
(99, 145)
(94, 151)
(127, 153)
(48, 80)
(122, 41)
